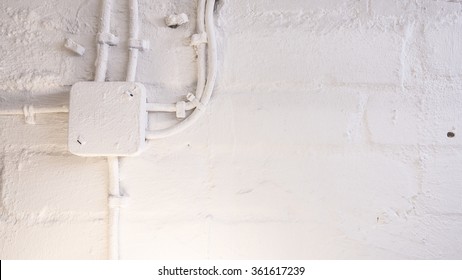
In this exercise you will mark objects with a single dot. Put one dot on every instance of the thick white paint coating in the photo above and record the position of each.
(201, 103)
(325, 137)
(107, 118)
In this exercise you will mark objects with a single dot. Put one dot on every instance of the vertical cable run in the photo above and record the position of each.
(113, 162)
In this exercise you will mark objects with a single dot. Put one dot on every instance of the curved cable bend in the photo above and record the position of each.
(201, 70)
(210, 83)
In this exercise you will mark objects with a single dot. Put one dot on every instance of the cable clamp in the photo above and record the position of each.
(198, 39)
(190, 97)
(173, 21)
(193, 100)
(181, 110)
(29, 114)
(73, 46)
(108, 38)
(141, 45)
(117, 201)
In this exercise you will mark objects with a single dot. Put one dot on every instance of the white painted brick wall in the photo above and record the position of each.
(53, 183)
(53, 239)
(326, 136)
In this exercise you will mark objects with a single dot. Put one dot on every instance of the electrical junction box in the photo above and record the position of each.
(107, 118)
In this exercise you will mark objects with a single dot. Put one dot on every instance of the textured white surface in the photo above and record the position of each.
(107, 118)
(325, 137)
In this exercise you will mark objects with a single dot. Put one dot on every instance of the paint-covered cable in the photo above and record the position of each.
(210, 83)
(114, 210)
(104, 40)
(134, 43)
(199, 46)
(113, 162)
(116, 199)
(37, 110)
(29, 111)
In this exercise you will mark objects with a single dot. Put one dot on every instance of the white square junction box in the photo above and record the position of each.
(107, 118)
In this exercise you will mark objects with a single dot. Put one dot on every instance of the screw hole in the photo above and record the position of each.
(131, 94)
(451, 134)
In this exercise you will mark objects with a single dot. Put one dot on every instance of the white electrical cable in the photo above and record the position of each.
(115, 200)
(201, 69)
(103, 45)
(29, 111)
(37, 110)
(134, 31)
(113, 162)
(199, 101)
(114, 210)
(211, 76)
(201, 59)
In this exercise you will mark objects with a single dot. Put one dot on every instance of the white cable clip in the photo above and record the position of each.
(181, 110)
(190, 97)
(173, 21)
(73, 46)
(29, 114)
(117, 201)
(198, 39)
(141, 45)
(108, 38)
